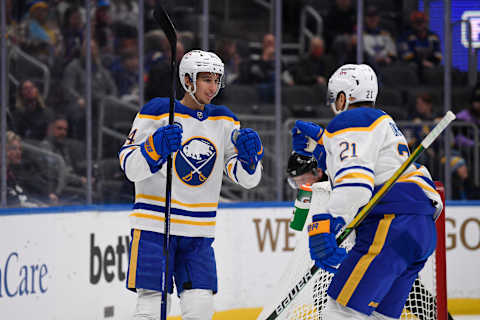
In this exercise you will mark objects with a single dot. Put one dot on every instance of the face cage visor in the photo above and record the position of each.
(308, 178)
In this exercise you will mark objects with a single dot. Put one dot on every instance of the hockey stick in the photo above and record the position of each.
(162, 18)
(427, 141)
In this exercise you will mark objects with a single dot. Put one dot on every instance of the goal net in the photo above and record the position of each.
(300, 296)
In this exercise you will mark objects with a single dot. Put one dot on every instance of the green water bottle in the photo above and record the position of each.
(302, 205)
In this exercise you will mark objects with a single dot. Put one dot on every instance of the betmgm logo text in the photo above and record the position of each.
(474, 18)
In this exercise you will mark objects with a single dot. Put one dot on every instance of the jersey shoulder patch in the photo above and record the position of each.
(220, 111)
(356, 119)
(156, 106)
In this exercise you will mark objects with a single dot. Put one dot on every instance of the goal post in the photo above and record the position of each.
(441, 260)
(427, 299)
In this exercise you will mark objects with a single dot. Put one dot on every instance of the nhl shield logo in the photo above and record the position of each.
(195, 160)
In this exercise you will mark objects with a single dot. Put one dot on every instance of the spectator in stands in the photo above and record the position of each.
(72, 30)
(463, 188)
(424, 109)
(72, 152)
(161, 71)
(126, 43)
(126, 77)
(31, 115)
(42, 36)
(423, 112)
(315, 67)
(18, 194)
(471, 115)
(126, 39)
(74, 79)
(103, 30)
(227, 51)
(420, 45)
(156, 46)
(262, 71)
(378, 44)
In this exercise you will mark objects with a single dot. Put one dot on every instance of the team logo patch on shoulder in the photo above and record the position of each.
(195, 160)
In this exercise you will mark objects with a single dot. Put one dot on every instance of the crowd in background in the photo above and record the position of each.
(53, 32)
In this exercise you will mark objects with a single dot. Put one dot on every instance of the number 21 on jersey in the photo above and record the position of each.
(349, 150)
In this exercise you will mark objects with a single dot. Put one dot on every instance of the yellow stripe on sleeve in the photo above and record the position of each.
(355, 176)
(224, 118)
(229, 170)
(356, 129)
(124, 153)
(421, 185)
(185, 116)
(161, 116)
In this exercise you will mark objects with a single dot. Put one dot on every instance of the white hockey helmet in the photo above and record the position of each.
(357, 81)
(196, 61)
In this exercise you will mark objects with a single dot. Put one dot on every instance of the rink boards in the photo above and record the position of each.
(71, 263)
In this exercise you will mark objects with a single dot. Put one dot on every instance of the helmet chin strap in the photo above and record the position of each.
(191, 91)
(194, 98)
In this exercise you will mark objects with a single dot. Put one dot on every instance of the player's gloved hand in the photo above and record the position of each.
(249, 147)
(323, 246)
(300, 134)
(160, 144)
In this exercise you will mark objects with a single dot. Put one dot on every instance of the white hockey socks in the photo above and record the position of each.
(149, 303)
(335, 311)
(196, 304)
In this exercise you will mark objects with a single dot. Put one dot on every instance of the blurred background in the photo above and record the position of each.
(75, 73)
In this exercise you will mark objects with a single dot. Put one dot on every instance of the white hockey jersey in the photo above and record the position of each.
(364, 147)
(206, 152)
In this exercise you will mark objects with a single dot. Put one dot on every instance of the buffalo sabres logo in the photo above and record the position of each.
(195, 160)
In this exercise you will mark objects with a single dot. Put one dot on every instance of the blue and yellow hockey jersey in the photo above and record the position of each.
(206, 152)
(364, 147)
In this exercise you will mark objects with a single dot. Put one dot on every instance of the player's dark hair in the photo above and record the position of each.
(363, 104)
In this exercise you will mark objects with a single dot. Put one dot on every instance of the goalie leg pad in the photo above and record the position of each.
(149, 304)
(196, 304)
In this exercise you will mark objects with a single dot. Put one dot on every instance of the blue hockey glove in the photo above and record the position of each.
(300, 134)
(160, 144)
(249, 147)
(323, 246)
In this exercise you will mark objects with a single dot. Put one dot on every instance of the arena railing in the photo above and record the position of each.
(14, 56)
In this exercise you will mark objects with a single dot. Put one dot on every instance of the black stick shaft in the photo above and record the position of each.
(162, 18)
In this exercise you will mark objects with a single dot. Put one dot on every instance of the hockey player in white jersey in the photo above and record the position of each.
(206, 141)
(364, 147)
